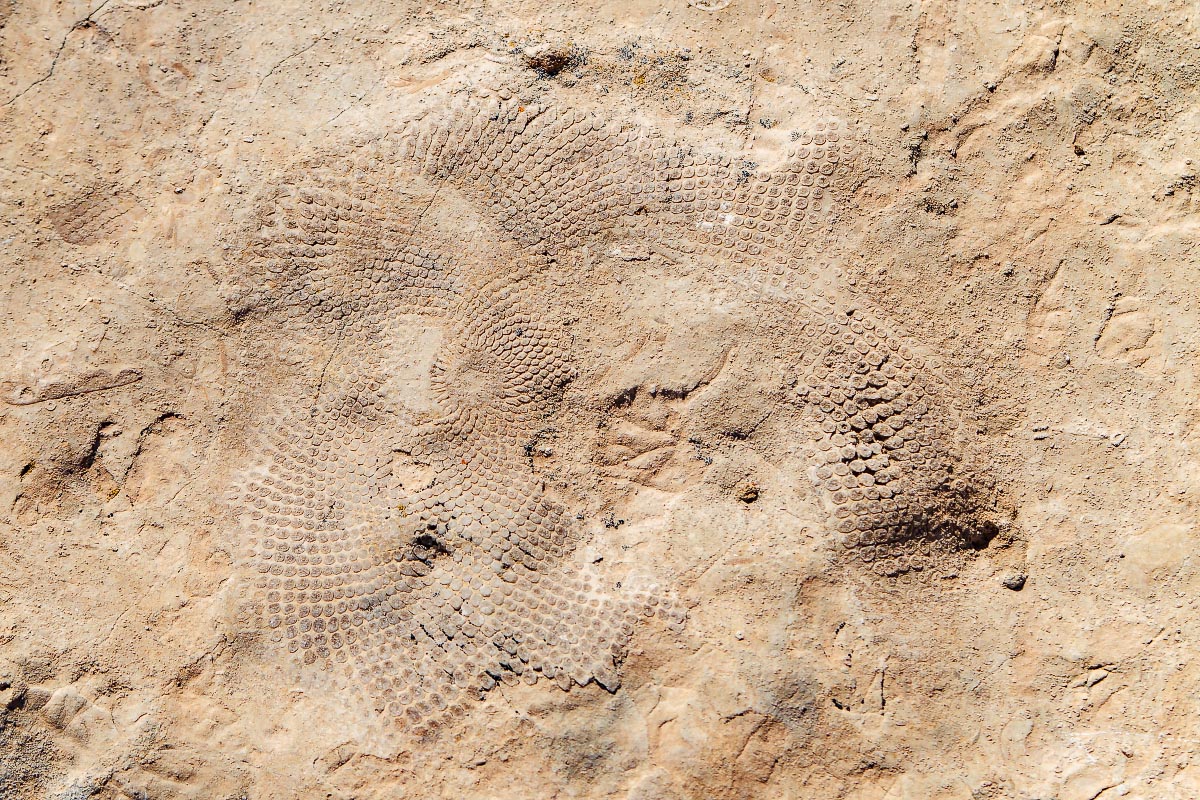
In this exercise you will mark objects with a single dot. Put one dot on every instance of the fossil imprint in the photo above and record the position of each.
(421, 552)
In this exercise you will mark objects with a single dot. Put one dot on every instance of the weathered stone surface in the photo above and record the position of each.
(806, 391)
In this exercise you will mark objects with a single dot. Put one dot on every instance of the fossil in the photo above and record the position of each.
(421, 552)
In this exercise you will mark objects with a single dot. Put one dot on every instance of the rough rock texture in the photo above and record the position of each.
(710, 400)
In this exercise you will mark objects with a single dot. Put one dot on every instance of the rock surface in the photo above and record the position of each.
(709, 400)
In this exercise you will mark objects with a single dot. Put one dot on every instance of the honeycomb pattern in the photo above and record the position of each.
(420, 552)
(556, 179)
(882, 432)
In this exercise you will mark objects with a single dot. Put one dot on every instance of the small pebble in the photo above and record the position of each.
(1015, 582)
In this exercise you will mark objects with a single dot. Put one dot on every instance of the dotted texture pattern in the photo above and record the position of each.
(422, 553)
(558, 179)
